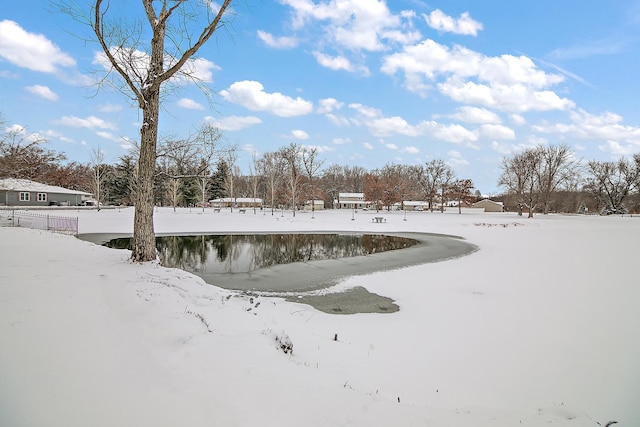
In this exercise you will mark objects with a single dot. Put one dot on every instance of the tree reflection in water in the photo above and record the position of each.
(245, 253)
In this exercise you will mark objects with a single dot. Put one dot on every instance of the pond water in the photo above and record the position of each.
(245, 253)
(302, 267)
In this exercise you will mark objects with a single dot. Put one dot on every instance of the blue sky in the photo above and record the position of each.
(367, 82)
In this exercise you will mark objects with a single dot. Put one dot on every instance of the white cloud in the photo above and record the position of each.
(391, 146)
(465, 25)
(604, 127)
(341, 141)
(476, 115)
(232, 123)
(190, 104)
(456, 134)
(199, 69)
(16, 128)
(107, 135)
(517, 119)
(411, 150)
(368, 146)
(127, 143)
(381, 126)
(299, 134)
(355, 25)
(456, 158)
(30, 50)
(277, 42)
(251, 95)
(338, 120)
(618, 150)
(507, 149)
(517, 97)
(320, 148)
(494, 131)
(503, 82)
(110, 108)
(90, 122)
(328, 105)
(339, 63)
(43, 92)
(57, 135)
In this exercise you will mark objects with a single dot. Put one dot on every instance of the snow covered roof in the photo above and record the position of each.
(14, 184)
(350, 195)
(485, 201)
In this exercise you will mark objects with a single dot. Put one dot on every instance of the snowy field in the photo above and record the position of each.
(540, 326)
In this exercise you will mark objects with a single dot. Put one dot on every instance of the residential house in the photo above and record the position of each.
(23, 192)
(351, 201)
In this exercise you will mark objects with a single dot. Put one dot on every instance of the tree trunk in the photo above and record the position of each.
(144, 239)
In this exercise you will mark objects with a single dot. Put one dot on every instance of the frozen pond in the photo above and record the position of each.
(301, 267)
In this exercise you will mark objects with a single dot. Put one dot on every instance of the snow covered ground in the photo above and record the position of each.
(540, 326)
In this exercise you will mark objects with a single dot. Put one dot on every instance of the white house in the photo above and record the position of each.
(351, 201)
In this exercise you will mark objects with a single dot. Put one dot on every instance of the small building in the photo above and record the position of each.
(318, 205)
(23, 192)
(237, 202)
(415, 205)
(489, 205)
(351, 201)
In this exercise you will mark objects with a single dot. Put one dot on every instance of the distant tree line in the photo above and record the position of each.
(551, 179)
(194, 170)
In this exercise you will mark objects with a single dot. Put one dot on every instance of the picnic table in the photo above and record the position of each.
(379, 219)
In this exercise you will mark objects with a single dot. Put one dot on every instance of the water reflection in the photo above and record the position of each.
(214, 254)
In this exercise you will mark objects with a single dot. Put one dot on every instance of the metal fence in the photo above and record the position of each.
(28, 219)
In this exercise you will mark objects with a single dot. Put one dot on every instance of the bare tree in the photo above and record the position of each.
(536, 174)
(203, 186)
(22, 155)
(446, 178)
(143, 70)
(270, 166)
(374, 188)
(173, 192)
(311, 166)
(556, 168)
(232, 170)
(431, 180)
(99, 172)
(253, 170)
(190, 160)
(461, 191)
(517, 178)
(293, 171)
(611, 182)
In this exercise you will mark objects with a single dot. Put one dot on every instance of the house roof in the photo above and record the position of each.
(487, 201)
(14, 184)
(351, 195)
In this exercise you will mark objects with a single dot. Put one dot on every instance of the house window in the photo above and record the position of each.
(25, 196)
(42, 197)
